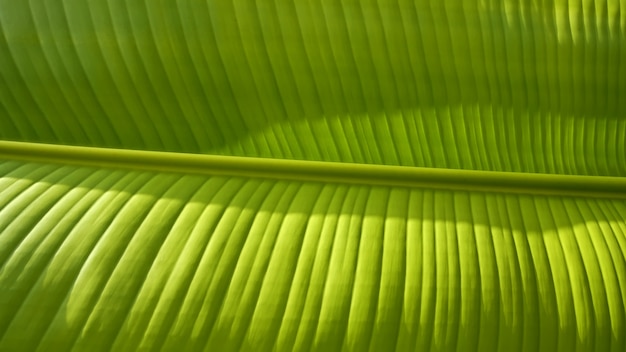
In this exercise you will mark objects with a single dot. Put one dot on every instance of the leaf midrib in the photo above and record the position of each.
(318, 171)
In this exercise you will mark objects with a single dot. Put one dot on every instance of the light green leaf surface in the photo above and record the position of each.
(96, 259)
(370, 238)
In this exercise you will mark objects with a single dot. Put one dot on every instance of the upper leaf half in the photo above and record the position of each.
(485, 85)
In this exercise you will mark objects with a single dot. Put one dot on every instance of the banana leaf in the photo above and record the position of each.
(409, 175)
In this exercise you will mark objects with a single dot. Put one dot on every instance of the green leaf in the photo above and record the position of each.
(494, 86)
(373, 175)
